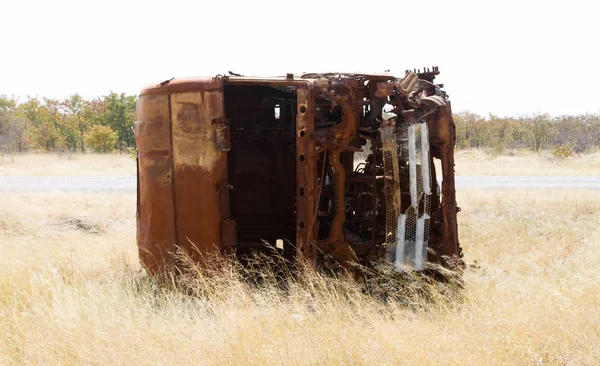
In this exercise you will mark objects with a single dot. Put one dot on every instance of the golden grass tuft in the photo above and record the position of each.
(70, 296)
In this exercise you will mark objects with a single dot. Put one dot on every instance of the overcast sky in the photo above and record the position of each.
(503, 57)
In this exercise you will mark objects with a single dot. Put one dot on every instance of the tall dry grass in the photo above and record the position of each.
(71, 293)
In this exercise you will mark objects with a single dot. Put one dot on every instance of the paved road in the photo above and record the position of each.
(127, 183)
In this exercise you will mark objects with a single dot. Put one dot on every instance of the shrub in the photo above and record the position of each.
(101, 139)
(562, 151)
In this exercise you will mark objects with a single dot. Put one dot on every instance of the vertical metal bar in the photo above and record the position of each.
(425, 159)
(426, 175)
(400, 233)
(412, 164)
(419, 243)
(306, 194)
(374, 192)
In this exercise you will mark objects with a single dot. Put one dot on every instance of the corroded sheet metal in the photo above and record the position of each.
(199, 169)
(155, 215)
(183, 85)
(220, 159)
(444, 131)
(307, 195)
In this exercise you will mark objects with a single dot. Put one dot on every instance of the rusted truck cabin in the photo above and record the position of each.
(327, 168)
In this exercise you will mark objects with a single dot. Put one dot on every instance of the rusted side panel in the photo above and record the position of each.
(200, 169)
(442, 135)
(156, 232)
(183, 85)
(449, 208)
(307, 194)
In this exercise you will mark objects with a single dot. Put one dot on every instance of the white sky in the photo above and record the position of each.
(504, 57)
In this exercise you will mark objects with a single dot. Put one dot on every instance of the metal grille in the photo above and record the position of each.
(410, 234)
(427, 211)
(414, 239)
(426, 161)
(391, 192)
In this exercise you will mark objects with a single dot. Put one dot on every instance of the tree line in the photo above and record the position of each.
(102, 124)
(105, 124)
(563, 135)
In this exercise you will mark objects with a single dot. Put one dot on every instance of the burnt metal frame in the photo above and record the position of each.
(154, 241)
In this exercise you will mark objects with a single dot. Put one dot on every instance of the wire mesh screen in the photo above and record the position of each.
(392, 197)
(416, 216)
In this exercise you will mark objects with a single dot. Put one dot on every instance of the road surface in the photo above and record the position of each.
(127, 184)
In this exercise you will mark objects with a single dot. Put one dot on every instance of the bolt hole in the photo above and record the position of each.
(302, 133)
(301, 224)
(302, 157)
(302, 109)
(302, 191)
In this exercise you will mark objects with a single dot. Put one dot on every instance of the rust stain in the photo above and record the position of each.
(155, 217)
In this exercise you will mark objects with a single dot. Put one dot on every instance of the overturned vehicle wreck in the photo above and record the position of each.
(326, 168)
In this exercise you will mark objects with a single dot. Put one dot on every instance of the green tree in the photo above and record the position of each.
(27, 113)
(77, 120)
(56, 117)
(119, 114)
(8, 122)
(46, 133)
(582, 132)
(101, 139)
(470, 130)
(543, 130)
(521, 132)
(500, 134)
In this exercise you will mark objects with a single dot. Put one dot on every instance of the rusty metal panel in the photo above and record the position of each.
(306, 195)
(183, 85)
(200, 169)
(155, 221)
(406, 85)
(344, 210)
(445, 133)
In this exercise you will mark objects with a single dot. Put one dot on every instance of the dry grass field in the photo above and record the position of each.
(477, 162)
(66, 164)
(71, 293)
(468, 162)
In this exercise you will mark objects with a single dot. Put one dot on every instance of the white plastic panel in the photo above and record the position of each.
(413, 225)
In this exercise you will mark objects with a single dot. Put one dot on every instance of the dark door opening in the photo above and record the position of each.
(262, 166)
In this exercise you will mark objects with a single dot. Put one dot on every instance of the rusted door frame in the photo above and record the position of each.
(306, 195)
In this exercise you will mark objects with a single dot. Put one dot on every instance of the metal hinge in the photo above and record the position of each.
(222, 137)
